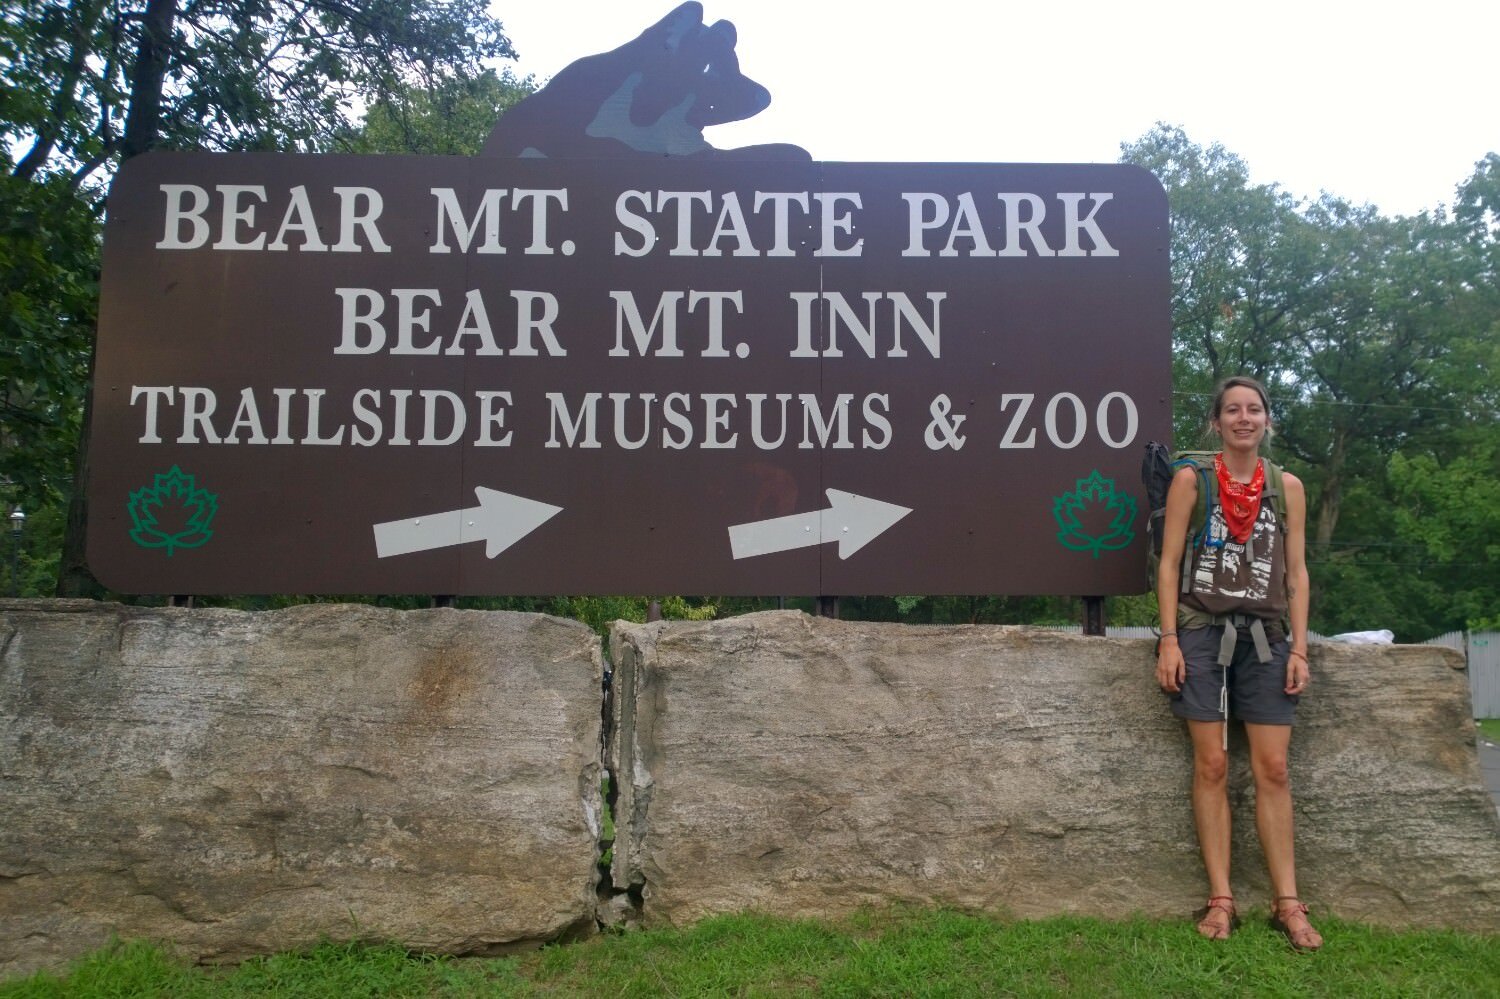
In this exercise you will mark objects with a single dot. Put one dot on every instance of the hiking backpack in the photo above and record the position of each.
(1157, 469)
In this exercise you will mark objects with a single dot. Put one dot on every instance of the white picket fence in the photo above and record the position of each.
(1480, 648)
(1140, 631)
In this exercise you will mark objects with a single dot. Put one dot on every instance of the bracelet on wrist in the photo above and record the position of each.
(1168, 634)
(1298, 652)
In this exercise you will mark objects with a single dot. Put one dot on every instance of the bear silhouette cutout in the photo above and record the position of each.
(652, 96)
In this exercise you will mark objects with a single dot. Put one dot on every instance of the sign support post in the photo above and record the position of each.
(1093, 616)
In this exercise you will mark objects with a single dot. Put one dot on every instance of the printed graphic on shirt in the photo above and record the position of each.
(1229, 569)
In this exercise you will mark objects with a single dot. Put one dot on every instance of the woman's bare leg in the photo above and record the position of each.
(1211, 815)
(1273, 820)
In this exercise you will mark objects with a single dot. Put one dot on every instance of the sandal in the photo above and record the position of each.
(1304, 939)
(1210, 925)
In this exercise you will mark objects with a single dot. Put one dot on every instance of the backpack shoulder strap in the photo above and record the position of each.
(1208, 492)
(1277, 491)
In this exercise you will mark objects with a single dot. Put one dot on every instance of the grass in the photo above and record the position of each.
(1489, 728)
(903, 953)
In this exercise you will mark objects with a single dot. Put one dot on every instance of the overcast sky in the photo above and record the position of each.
(1386, 105)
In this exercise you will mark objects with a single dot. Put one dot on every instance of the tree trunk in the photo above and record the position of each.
(1332, 495)
(74, 578)
(147, 76)
(142, 128)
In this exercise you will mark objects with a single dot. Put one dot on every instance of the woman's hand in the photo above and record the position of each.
(1171, 671)
(1298, 675)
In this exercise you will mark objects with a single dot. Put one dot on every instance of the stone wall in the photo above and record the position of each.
(806, 767)
(241, 783)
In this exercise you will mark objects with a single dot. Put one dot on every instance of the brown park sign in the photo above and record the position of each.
(392, 374)
(587, 373)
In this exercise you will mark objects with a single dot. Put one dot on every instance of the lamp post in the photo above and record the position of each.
(17, 521)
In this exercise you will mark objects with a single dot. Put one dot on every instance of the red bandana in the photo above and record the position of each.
(1240, 501)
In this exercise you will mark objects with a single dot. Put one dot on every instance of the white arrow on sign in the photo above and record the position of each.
(853, 521)
(500, 520)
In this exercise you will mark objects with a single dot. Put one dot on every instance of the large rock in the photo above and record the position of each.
(239, 783)
(803, 766)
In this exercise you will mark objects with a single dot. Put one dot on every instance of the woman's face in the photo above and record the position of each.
(1242, 419)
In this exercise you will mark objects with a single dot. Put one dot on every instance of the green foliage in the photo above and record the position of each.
(1133, 611)
(49, 287)
(976, 609)
(905, 605)
(244, 74)
(452, 118)
(680, 609)
(30, 560)
(1448, 518)
(1478, 205)
(607, 825)
(874, 953)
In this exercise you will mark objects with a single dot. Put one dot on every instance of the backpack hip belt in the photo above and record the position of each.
(1231, 623)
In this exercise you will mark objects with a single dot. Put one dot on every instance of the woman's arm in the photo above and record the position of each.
(1297, 672)
(1181, 495)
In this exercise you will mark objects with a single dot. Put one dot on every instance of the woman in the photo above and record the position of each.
(1252, 582)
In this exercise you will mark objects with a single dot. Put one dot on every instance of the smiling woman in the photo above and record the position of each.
(1234, 637)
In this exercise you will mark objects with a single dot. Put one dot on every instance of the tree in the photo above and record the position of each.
(1231, 292)
(90, 84)
(48, 299)
(452, 118)
(1447, 517)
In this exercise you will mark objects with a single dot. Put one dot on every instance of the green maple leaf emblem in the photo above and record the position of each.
(172, 512)
(1093, 517)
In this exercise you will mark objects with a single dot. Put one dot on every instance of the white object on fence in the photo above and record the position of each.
(1381, 637)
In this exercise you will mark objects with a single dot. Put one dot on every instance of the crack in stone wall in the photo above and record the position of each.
(619, 906)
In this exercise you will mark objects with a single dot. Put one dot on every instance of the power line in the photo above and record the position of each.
(1404, 565)
(1336, 402)
(1362, 544)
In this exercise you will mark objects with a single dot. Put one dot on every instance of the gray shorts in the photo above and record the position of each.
(1257, 690)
